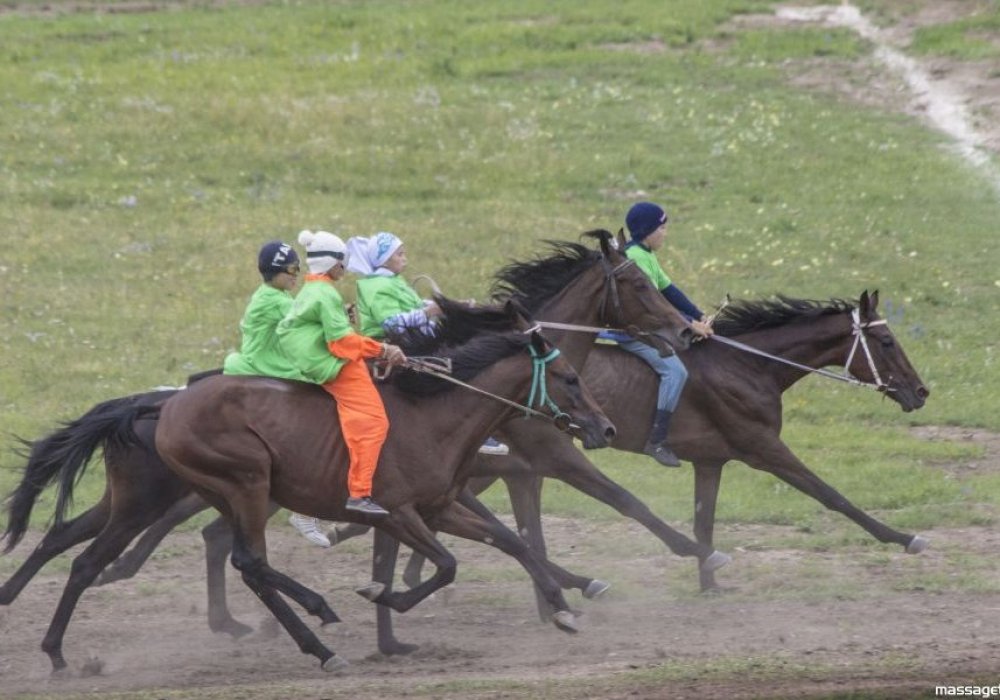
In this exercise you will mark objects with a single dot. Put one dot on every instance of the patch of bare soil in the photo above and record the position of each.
(971, 86)
(796, 622)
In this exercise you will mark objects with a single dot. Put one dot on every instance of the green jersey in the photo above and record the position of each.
(317, 317)
(647, 262)
(260, 353)
(381, 298)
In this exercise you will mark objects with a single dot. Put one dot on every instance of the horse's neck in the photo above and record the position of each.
(579, 303)
(464, 418)
(818, 343)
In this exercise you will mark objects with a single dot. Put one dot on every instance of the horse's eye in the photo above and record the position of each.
(573, 380)
(887, 343)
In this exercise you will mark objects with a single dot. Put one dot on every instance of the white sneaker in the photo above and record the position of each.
(492, 446)
(309, 528)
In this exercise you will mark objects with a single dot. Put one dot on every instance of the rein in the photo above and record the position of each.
(860, 340)
(441, 369)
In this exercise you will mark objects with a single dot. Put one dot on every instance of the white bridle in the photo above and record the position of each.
(860, 340)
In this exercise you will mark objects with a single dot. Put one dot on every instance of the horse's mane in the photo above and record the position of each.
(744, 316)
(472, 337)
(534, 282)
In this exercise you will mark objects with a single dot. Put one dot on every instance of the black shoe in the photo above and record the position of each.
(662, 454)
(365, 505)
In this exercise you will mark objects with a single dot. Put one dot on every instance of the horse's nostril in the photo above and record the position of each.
(923, 392)
(687, 335)
(610, 433)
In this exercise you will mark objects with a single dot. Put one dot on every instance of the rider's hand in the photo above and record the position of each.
(393, 355)
(702, 329)
(432, 309)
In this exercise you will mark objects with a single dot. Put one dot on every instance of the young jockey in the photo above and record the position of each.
(647, 225)
(317, 336)
(386, 301)
(260, 353)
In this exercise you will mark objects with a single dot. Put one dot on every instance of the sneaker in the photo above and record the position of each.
(309, 528)
(492, 446)
(365, 505)
(662, 454)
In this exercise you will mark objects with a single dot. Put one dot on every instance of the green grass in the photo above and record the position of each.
(971, 38)
(144, 157)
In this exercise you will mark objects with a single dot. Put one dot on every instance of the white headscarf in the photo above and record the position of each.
(323, 250)
(366, 256)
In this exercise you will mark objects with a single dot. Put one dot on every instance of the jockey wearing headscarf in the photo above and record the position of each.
(385, 301)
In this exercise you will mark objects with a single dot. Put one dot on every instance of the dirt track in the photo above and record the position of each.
(896, 625)
(899, 629)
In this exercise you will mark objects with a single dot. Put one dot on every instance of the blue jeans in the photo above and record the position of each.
(671, 371)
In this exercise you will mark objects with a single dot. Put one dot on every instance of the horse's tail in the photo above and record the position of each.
(63, 456)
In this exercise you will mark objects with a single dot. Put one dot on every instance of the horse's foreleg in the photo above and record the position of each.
(406, 525)
(775, 457)
(128, 564)
(384, 553)
(570, 466)
(525, 497)
(346, 531)
(707, 477)
(56, 541)
(461, 521)
(250, 560)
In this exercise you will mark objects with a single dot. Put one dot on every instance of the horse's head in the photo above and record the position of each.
(632, 302)
(558, 390)
(879, 358)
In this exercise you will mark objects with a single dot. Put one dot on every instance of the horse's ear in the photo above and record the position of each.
(621, 239)
(607, 242)
(516, 312)
(869, 302)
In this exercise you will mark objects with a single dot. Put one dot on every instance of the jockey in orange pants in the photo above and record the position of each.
(317, 336)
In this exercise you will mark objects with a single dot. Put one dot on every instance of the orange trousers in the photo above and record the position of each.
(362, 421)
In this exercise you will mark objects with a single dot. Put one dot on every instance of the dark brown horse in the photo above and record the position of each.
(580, 285)
(731, 408)
(243, 441)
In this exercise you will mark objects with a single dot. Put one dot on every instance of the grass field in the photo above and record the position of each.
(146, 155)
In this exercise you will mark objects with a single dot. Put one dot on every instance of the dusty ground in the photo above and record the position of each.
(798, 623)
(902, 625)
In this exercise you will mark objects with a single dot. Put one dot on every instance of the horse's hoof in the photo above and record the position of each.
(231, 627)
(595, 589)
(335, 664)
(333, 536)
(917, 545)
(397, 648)
(372, 591)
(565, 621)
(715, 560)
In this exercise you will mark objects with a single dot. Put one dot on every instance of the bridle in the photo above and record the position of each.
(611, 307)
(860, 341)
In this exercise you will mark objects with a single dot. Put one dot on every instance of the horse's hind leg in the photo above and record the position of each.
(109, 544)
(128, 565)
(250, 560)
(56, 541)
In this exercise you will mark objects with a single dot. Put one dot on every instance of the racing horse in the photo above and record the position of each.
(731, 407)
(140, 489)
